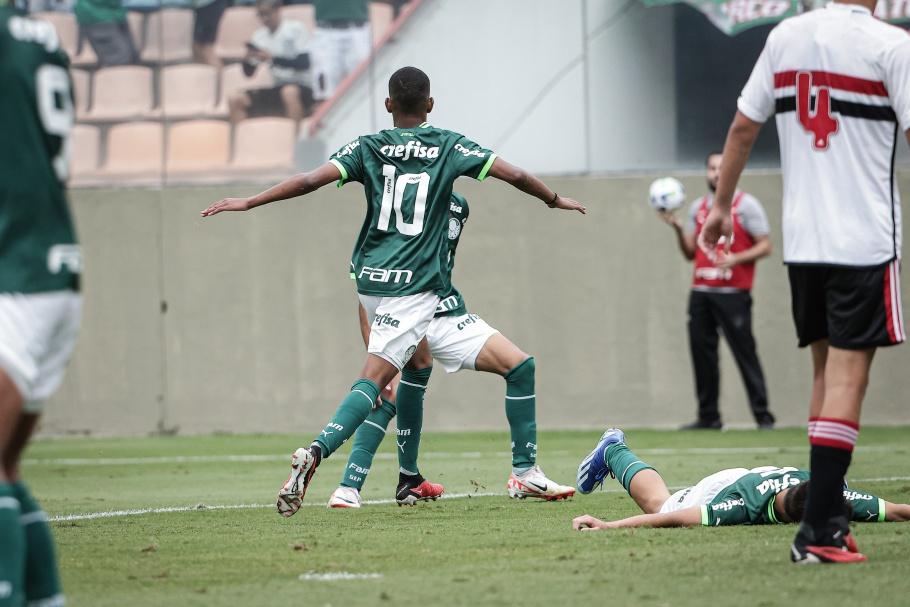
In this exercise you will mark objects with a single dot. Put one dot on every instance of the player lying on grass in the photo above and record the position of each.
(730, 497)
(400, 255)
(457, 340)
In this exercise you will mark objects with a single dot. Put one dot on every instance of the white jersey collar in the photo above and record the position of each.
(853, 8)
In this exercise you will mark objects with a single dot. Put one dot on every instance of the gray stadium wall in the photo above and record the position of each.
(247, 322)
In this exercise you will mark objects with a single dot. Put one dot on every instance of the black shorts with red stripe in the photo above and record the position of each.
(853, 308)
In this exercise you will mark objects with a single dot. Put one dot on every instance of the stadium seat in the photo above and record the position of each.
(81, 91)
(198, 145)
(85, 150)
(67, 30)
(120, 93)
(237, 26)
(264, 143)
(168, 36)
(188, 90)
(136, 21)
(233, 80)
(381, 17)
(134, 148)
(305, 13)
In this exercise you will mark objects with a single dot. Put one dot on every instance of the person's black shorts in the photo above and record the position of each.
(205, 26)
(853, 308)
(268, 102)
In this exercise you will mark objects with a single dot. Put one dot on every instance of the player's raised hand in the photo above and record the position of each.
(669, 218)
(567, 204)
(226, 204)
(586, 522)
(718, 224)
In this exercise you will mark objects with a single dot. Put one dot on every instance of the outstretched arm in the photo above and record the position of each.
(529, 184)
(898, 513)
(685, 240)
(687, 517)
(298, 185)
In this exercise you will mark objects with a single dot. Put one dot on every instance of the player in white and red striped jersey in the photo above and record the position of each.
(838, 81)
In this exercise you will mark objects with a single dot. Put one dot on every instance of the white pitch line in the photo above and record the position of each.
(208, 459)
(88, 516)
(449, 496)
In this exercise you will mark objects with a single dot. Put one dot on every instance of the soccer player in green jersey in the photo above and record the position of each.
(457, 340)
(39, 299)
(400, 260)
(737, 496)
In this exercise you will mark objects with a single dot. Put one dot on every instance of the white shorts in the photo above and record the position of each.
(704, 491)
(455, 341)
(37, 335)
(397, 324)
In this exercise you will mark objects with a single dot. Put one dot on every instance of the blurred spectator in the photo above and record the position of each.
(283, 44)
(205, 27)
(103, 24)
(342, 41)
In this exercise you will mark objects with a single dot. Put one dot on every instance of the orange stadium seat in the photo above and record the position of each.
(237, 26)
(264, 143)
(305, 13)
(81, 91)
(120, 93)
(233, 80)
(168, 36)
(85, 150)
(134, 148)
(381, 17)
(198, 145)
(188, 90)
(67, 30)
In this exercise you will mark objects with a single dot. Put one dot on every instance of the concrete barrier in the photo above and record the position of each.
(247, 322)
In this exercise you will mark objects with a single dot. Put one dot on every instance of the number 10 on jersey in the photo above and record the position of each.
(393, 191)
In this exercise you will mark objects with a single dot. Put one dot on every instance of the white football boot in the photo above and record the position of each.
(345, 497)
(534, 483)
(303, 465)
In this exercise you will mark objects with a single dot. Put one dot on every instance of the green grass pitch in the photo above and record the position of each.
(479, 550)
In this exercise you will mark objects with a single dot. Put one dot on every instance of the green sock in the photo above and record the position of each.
(355, 408)
(624, 463)
(366, 441)
(409, 401)
(12, 549)
(42, 581)
(521, 413)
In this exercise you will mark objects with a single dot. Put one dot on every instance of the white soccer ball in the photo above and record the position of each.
(666, 194)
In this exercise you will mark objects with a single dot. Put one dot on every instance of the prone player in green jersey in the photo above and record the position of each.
(39, 271)
(737, 496)
(400, 256)
(457, 340)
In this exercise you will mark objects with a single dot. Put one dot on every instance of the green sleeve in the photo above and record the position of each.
(866, 507)
(349, 161)
(472, 160)
(723, 512)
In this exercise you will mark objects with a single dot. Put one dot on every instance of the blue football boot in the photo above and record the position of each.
(594, 469)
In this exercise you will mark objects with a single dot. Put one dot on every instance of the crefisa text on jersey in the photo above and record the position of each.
(411, 149)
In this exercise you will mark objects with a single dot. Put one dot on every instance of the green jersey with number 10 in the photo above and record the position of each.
(37, 241)
(407, 176)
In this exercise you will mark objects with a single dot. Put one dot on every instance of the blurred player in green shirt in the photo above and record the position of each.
(736, 496)
(400, 258)
(39, 281)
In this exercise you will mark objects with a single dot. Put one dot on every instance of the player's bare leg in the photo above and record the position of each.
(824, 535)
(352, 411)
(649, 490)
(502, 357)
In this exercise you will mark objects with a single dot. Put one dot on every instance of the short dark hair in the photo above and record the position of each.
(795, 502)
(409, 88)
(712, 153)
